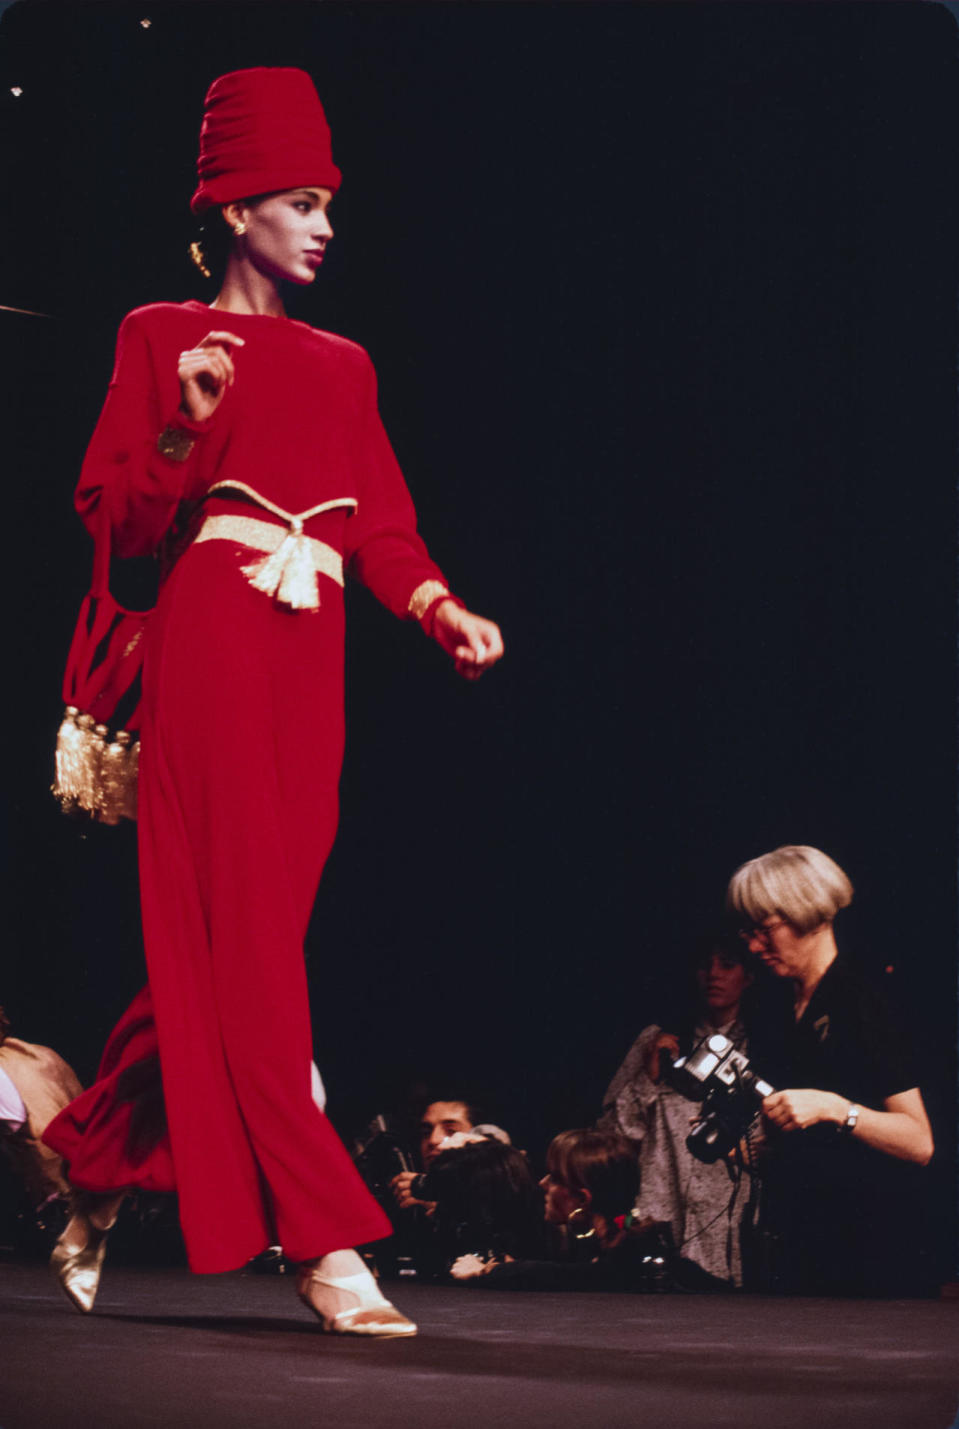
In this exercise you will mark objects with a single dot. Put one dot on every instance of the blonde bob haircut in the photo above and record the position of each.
(799, 883)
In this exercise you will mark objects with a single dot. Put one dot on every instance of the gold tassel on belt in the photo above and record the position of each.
(288, 573)
(288, 569)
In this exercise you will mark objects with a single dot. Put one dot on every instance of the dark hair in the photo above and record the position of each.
(725, 941)
(600, 1162)
(457, 1097)
(487, 1199)
(681, 1008)
(4, 1026)
(211, 247)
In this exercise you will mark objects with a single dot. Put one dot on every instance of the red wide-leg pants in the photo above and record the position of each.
(240, 758)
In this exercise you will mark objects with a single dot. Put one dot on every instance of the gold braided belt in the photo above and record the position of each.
(291, 560)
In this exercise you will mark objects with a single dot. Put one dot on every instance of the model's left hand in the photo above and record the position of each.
(797, 1110)
(474, 643)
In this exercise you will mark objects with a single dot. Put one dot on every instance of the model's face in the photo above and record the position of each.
(561, 1202)
(722, 981)
(286, 233)
(440, 1120)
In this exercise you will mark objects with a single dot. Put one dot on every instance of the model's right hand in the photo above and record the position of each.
(205, 372)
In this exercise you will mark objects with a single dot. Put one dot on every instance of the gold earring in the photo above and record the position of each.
(196, 253)
(239, 229)
(580, 1223)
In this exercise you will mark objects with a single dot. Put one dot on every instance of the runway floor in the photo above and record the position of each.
(164, 1348)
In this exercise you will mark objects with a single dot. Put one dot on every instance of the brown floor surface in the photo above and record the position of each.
(165, 1350)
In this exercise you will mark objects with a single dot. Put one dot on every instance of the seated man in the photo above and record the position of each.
(35, 1084)
(440, 1119)
(472, 1184)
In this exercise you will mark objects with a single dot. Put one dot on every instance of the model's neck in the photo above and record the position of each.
(246, 290)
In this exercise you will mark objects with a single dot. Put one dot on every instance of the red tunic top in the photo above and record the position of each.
(300, 425)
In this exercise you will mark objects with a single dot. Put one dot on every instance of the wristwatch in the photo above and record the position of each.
(852, 1117)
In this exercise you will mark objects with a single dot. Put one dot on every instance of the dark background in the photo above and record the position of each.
(663, 304)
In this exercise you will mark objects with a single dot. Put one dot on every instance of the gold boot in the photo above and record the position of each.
(77, 1258)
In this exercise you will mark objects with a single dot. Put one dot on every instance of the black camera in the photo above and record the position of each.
(719, 1075)
(384, 1151)
(380, 1155)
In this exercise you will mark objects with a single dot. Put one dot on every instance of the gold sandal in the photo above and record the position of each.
(372, 1316)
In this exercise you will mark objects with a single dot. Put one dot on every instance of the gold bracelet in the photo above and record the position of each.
(424, 596)
(175, 443)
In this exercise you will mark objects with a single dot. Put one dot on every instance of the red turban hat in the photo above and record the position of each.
(263, 130)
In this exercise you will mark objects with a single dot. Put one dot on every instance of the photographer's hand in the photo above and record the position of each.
(901, 1129)
(467, 1267)
(400, 1186)
(798, 1110)
(664, 1042)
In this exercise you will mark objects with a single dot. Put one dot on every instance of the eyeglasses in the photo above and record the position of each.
(762, 930)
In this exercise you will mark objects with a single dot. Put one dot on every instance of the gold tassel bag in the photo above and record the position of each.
(96, 773)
